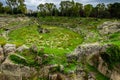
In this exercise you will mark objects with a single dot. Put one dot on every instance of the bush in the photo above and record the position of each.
(112, 56)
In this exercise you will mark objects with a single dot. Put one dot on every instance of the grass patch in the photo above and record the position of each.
(59, 40)
(70, 67)
(2, 41)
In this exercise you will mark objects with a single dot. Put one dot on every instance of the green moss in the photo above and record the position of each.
(17, 59)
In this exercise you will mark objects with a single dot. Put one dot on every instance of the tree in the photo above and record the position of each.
(1, 7)
(7, 9)
(114, 10)
(79, 9)
(67, 8)
(88, 9)
(22, 9)
(16, 5)
(47, 9)
(41, 9)
(102, 11)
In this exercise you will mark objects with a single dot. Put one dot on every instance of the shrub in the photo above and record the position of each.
(112, 56)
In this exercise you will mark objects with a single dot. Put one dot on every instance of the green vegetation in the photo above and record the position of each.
(70, 67)
(1, 30)
(26, 58)
(17, 59)
(88, 27)
(112, 56)
(58, 41)
(98, 75)
(2, 41)
(66, 33)
(113, 39)
(70, 25)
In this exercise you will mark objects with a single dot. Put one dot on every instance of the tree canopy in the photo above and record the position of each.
(66, 8)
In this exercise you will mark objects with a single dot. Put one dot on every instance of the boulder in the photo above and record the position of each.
(1, 54)
(1, 50)
(44, 72)
(86, 50)
(8, 77)
(34, 48)
(38, 60)
(109, 27)
(22, 48)
(42, 30)
(56, 76)
(115, 75)
(10, 71)
(27, 72)
(45, 56)
(61, 67)
(82, 50)
(52, 76)
(45, 31)
(9, 48)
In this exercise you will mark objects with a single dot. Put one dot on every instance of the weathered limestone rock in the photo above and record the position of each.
(109, 27)
(1, 54)
(27, 72)
(57, 76)
(103, 67)
(8, 77)
(9, 48)
(92, 54)
(22, 48)
(44, 72)
(115, 75)
(42, 30)
(1, 50)
(52, 76)
(38, 60)
(33, 48)
(10, 71)
(86, 50)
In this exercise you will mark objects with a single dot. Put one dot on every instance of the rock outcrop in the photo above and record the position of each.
(93, 54)
(10, 70)
(109, 27)
(22, 48)
(86, 50)
(1, 54)
(42, 30)
(9, 48)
